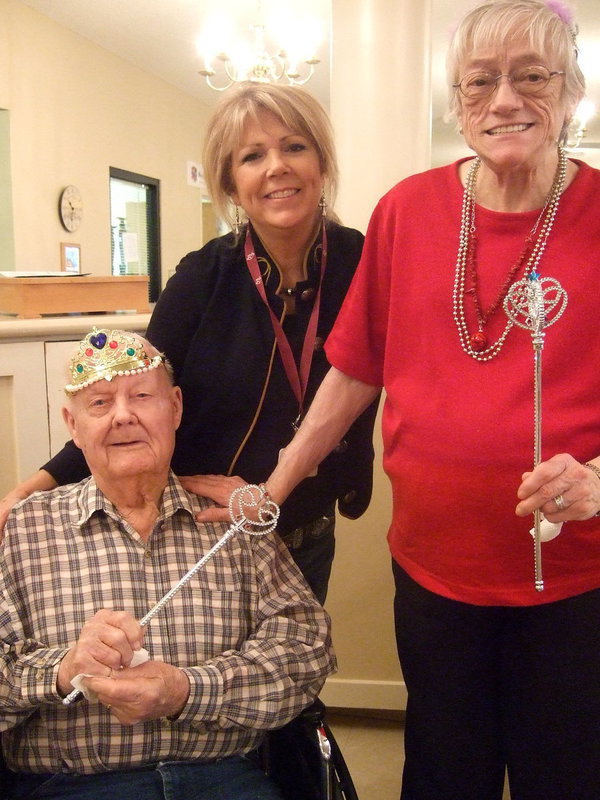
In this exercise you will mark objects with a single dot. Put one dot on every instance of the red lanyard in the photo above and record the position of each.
(298, 379)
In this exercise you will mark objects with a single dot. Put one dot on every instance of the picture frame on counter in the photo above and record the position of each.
(70, 257)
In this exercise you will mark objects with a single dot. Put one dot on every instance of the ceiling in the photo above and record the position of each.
(159, 36)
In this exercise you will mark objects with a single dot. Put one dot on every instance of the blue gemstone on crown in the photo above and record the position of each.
(98, 341)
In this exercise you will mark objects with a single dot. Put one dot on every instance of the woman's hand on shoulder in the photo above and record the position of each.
(218, 488)
(6, 504)
(38, 482)
(577, 488)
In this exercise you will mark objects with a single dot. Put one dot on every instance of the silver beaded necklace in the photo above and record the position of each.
(544, 222)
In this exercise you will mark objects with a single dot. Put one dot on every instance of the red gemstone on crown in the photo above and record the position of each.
(478, 341)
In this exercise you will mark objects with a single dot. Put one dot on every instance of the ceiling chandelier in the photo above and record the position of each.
(228, 61)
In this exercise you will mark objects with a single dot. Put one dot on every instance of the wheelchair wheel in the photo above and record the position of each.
(305, 761)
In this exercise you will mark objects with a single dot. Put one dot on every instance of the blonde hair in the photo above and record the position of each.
(293, 107)
(547, 26)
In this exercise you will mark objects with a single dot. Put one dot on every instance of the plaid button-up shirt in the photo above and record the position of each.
(246, 630)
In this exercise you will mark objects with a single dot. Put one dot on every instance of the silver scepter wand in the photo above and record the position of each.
(534, 304)
(246, 497)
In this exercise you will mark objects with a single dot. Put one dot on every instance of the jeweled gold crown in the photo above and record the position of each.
(104, 355)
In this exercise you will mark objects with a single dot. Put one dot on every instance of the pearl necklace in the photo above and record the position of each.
(467, 229)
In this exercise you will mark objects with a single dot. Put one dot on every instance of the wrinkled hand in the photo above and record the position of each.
(560, 475)
(216, 487)
(39, 481)
(137, 694)
(105, 645)
(6, 504)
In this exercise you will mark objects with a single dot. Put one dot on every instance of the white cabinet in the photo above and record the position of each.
(23, 412)
(32, 377)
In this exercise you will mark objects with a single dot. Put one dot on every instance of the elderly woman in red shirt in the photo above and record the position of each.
(464, 267)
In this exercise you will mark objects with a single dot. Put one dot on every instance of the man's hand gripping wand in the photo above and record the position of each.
(241, 502)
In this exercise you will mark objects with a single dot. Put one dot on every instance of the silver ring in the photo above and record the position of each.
(560, 502)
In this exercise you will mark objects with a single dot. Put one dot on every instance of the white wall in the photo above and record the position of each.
(76, 110)
(380, 110)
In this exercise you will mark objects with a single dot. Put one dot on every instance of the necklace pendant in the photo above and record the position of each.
(478, 341)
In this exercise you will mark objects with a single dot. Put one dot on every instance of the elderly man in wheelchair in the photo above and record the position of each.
(168, 708)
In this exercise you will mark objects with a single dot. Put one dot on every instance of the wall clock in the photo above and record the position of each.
(70, 208)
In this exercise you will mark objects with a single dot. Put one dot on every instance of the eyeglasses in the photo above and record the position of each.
(525, 80)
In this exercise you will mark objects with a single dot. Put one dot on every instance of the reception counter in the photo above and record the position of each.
(68, 326)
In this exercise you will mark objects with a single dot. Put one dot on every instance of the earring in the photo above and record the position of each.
(237, 223)
(323, 204)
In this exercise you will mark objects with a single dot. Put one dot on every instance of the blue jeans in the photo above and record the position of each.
(233, 778)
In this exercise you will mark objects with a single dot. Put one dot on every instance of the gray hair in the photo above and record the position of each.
(292, 106)
(549, 30)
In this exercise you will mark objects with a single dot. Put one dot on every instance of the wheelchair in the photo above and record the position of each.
(305, 761)
(302, 758)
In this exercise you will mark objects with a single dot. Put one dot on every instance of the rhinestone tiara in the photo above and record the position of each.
(104, 354)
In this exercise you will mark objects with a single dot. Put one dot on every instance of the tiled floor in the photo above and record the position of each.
(373, 749)
(374, 752)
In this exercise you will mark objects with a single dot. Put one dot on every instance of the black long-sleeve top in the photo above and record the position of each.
(238, 406)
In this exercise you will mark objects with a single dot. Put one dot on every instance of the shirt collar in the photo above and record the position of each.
(174, 498)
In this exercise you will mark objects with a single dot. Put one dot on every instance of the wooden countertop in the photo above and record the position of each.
(30, 298)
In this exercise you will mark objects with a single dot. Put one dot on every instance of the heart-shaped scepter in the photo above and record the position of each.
(534, 304)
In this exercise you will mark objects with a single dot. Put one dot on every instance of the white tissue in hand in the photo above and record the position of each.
(139, 657)
(548, 530)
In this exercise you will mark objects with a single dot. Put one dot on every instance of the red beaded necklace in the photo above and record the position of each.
(479, 338)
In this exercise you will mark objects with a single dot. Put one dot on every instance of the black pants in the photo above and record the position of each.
(495, 688)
